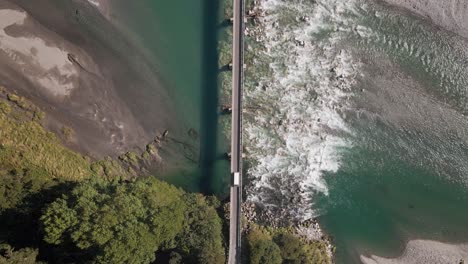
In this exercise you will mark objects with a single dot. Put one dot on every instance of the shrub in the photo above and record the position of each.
(22, 256)
(261, 248)
(201, 239)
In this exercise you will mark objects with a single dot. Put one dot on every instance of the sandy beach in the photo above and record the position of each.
(57, 55)
(46, 65)
(425, 251)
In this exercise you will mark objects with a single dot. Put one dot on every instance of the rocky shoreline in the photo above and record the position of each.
(309, 230)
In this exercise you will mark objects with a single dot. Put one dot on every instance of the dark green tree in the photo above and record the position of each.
(175, 258)
(201, 239)
(23, 256)
(116, 222)
(261, 248)
(292, 249)
(265, 251)
(296, 251)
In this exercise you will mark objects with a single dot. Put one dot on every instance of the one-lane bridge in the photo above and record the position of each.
(235, 228)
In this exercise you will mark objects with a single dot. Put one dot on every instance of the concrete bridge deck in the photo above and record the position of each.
(236, 133)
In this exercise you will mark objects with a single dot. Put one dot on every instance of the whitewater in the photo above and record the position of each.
(295, 127)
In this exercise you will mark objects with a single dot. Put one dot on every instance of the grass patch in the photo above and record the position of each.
(146, 156)
(67, 133)
(151, 149)
(26, 145)
(130, 158)
(109, 168)
(5, 108)
(20, 101)
(38, 115)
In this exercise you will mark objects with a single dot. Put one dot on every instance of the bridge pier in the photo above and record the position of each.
(226, 110)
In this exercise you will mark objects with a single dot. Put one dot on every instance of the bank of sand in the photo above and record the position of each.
(449, 14)
(69, 60)
(427, 252)
(103, 6)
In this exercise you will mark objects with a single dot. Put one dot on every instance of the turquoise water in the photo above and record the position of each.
(377, 202)
(358, 116)
(172, 34)
(180, 36)
(405, 177)
(393, 184)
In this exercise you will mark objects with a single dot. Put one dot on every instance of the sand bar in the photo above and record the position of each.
(449, 14)
(48, 65)
(425, 251)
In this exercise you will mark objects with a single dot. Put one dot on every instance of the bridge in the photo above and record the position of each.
(235, 225)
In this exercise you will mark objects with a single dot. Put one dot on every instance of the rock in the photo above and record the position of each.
(304, 18)
(300, 43)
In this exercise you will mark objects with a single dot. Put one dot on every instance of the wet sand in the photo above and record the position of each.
(103, 6)
(75, 65)
(425, 251)
(449, 14)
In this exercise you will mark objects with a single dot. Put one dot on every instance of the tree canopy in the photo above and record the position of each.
(74, 211)
(296, 251)
(283, 246)
(122, 223)
(201, 238)
(58, 207)
(23, 256)
(262, 249)
(129, 222)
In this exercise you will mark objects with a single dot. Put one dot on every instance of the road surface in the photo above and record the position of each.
(236, 133)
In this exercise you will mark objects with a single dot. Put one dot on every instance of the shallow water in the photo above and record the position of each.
(179, 37)
(359, 118)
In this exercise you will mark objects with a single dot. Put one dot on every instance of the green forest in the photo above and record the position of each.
(57, 206)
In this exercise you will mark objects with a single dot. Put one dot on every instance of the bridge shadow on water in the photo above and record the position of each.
(210, 180)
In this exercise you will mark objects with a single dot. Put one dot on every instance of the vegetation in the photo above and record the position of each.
(130, 158)
(262, 249)
(282, 246)
(116, 222)
(58, 207)
(67, 132)
(25, 146)
(34, 169)
(109, 169)
(23, 256)
(18, 100)
(122, 222)
(151, 150)
(198, 243)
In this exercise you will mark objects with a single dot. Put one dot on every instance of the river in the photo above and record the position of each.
(355, 114)
(358, 117)
(180, 36)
